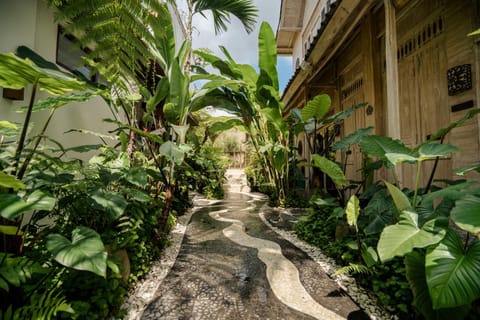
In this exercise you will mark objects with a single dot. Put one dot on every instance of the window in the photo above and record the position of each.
(69, 55)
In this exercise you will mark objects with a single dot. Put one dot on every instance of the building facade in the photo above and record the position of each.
(31, 23)
(411, 61)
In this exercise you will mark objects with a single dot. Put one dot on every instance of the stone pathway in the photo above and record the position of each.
(232, 266)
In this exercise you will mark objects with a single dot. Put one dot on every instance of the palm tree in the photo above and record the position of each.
(128, 39)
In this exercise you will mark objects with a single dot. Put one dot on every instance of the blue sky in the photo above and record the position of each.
(243, 46)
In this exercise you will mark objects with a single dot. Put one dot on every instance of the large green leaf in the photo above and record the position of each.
(452, 272)
(172, 152)
(466, 214)
(224, 124)
(274, 116)
(397, 158)
(462, 171)
(352, 139)
(317, 107)
(111, 202)
(12, 206)
(353, 211)
(267, 53)
(434, 150)
(401, 201)
(279, 157)
(8, 181)
(444, 131)
(17, 73)
(41, 200)
(415, 272)
(137, 176)
(85, 252)
(401, 238)
(331, 169)
(379, 146)
(57, 102)
(453, 192)
(9, 129)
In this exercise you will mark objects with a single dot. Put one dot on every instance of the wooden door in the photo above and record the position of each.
(423, 105)
(351, 94)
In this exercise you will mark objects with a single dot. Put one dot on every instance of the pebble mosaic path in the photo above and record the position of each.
(232, 266)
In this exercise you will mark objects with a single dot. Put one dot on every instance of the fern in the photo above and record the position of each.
(44, 306)
(118, 33)
(353, 268)
(17, 270)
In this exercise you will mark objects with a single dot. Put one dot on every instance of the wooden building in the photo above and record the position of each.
(410, 60)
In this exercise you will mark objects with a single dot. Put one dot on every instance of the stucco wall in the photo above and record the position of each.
(31, 23)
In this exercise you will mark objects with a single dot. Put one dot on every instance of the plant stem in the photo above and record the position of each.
(417, 184)
(434, 169)
(23, 136)
(24, 167)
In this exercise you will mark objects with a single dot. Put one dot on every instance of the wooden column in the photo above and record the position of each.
(393, 108)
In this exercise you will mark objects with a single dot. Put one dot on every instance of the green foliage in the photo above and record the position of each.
(354, 269)
(84, 252)
(465, 214)
(16, 271)
(92, 296)
(331, 169)
(316, 108)
(353, 211)
(451, 272)
(401, 238)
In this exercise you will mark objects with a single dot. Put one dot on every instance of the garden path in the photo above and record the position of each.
(232, 266)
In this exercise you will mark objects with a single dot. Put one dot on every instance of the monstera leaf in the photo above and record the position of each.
(85, 252)
(452, 272)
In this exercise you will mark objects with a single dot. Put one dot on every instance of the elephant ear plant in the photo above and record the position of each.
(442, 261)
(30, 287)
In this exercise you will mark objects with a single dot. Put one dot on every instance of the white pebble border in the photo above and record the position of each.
(347, 283)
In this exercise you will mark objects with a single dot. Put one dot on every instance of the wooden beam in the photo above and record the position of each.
(393, 108)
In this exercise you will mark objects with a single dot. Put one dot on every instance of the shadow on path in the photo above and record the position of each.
(217, 278)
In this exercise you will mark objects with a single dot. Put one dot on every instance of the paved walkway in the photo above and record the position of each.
(232, 266)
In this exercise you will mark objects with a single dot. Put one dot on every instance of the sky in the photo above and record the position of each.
(242, 46)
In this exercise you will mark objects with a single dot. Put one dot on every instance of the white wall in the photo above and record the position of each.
(31, 23)
(313, 10)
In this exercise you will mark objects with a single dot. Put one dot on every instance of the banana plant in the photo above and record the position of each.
(254, 98)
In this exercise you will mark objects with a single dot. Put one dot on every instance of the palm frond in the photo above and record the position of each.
(121, 34)
(221, 10)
